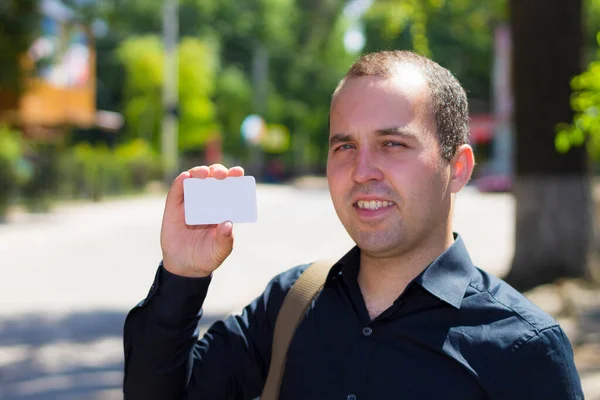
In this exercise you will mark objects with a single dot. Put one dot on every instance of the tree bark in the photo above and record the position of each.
(552, 190)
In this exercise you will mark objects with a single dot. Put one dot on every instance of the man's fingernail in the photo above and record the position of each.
(228, 228)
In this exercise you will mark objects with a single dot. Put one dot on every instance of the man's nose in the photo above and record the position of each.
(366, 168)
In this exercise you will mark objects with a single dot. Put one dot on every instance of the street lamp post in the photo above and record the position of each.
(169, 137)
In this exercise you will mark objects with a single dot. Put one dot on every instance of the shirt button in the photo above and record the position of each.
(351, 397)
(367, 332)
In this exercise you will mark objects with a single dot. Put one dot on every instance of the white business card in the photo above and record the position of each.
(212, 201)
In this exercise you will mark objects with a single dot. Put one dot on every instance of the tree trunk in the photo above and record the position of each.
(552, 190)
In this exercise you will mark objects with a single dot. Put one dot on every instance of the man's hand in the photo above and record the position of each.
(194, 251)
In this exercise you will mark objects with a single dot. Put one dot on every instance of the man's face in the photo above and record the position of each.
(387, 179)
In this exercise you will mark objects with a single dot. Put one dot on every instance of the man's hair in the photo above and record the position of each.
(448, 100)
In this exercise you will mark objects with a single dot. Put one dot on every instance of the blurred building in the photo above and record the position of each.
(61, 86)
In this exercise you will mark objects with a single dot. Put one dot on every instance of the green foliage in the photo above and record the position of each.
(585, 101)
(397, 16)
(270, 22)
(303, 40)
(143, 59)
(81, 171)
(456, 33)
(11, 145)
(38, 191)
(233, 104)
(306, 75)
(591, 15)
(198, 66)
(11, 159)
(19, 25)
(140, 163)
(96, 171)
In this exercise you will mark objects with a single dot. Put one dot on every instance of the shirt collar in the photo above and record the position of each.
(447, 277)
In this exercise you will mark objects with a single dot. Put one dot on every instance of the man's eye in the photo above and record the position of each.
(344, 147)
(394, 144)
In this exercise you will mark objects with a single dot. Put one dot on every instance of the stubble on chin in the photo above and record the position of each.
(382, 242)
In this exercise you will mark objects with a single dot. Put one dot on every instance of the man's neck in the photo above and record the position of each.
(383, 280)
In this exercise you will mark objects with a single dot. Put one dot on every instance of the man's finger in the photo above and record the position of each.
(218, 171)
(200, 172)
(236, 171)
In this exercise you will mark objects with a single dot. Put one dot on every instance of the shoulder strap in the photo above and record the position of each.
(292, 311)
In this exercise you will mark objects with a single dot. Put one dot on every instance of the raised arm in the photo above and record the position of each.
(163, 357)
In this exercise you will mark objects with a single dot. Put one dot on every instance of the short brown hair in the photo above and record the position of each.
(448, 98)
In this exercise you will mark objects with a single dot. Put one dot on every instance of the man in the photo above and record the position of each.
(403, 315)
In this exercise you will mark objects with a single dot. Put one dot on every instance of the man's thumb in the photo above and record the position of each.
(224, 240)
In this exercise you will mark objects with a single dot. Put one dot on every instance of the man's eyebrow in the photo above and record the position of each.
(396, 131)
(392, 131)
(340, 138)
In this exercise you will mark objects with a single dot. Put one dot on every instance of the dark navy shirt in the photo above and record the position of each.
(456, 332)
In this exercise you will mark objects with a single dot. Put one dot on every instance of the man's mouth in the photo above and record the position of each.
(373, 204)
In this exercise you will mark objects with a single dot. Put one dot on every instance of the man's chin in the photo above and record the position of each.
(377, 244)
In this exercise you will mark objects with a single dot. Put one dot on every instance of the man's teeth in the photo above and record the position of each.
(374, 204)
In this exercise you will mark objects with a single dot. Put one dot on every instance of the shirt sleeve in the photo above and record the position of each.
(543, 368)
(165, 360)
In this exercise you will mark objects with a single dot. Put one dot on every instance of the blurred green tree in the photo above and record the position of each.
(458, 34)
(295, 42)
(198, 67)
(233, 102)
(585, 101)
(143, 59)
(585, 130)
(19, 25)
(591, 15)
(307, 73)
(11, 167)
(552, 189)
(271, 50)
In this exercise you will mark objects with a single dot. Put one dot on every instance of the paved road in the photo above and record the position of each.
(69, 277)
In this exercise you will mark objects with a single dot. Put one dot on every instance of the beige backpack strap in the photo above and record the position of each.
(295, 304)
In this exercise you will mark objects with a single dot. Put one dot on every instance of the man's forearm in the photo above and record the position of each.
(159, 336)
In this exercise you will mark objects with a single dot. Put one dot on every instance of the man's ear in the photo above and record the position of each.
(462, 165)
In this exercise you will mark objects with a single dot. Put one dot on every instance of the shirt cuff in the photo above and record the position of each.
(177, 300)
